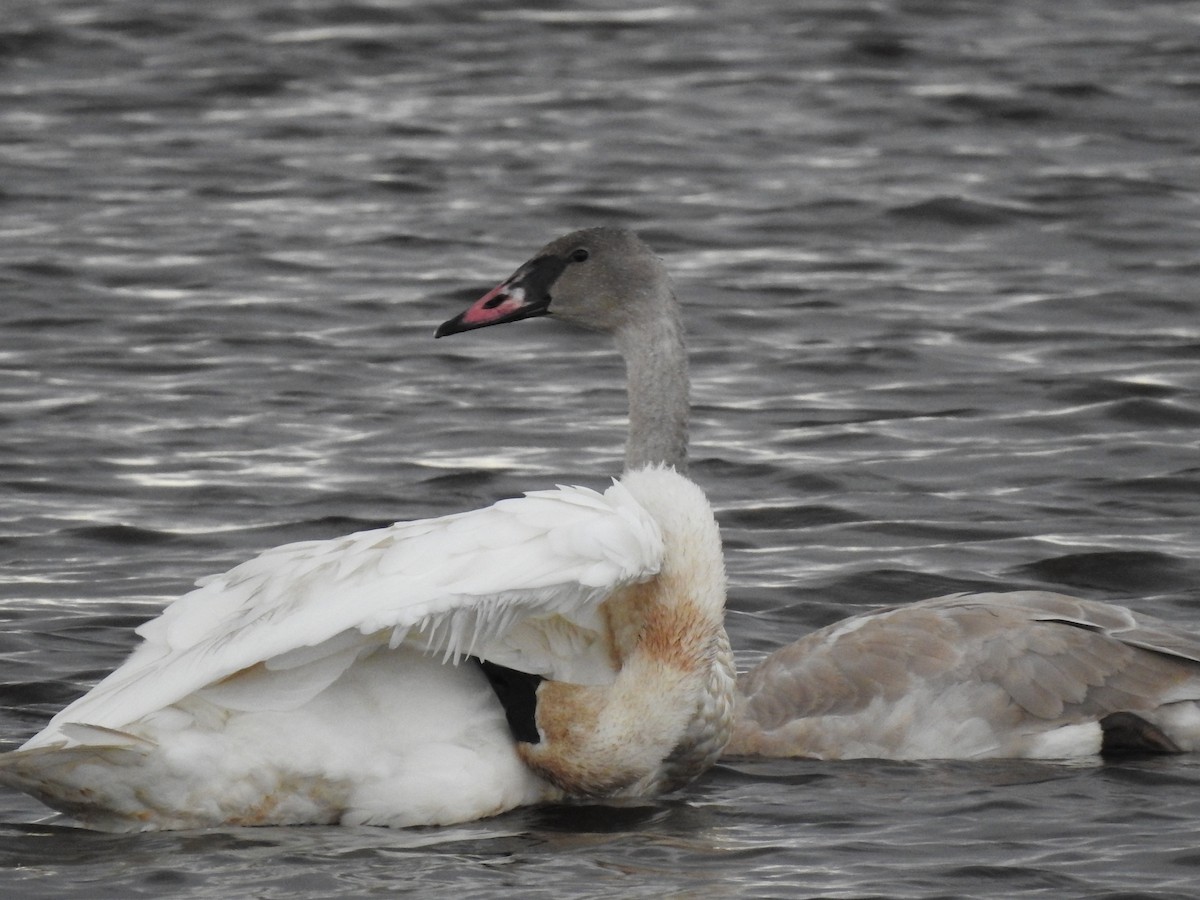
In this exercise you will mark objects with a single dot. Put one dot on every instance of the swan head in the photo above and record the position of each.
(602, 279)
(607, 280)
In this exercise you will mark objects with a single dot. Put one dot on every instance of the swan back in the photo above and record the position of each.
(1020, 674)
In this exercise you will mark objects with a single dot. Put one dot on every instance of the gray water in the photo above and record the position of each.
(939, 261)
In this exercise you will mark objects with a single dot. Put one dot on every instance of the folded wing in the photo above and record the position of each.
(967, 676)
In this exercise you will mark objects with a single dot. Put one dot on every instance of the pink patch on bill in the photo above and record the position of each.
(495, 304)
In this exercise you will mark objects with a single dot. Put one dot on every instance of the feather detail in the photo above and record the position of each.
(1020, 674)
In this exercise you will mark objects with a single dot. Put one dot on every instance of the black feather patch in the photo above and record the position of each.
(1127, 733)
(517, 693)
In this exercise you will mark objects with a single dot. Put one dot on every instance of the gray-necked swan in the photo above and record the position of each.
(1018, 674)
(563, 644)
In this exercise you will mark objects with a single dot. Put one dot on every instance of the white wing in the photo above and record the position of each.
(519, 583)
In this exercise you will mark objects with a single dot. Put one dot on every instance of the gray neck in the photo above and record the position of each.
(657, 372)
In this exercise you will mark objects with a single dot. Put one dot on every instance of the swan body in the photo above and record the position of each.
(1021, 674)
(563, 644)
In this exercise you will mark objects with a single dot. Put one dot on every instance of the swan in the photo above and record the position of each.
(563, 644)
(1019, 674)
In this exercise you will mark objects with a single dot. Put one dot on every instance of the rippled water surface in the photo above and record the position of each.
(940, 261)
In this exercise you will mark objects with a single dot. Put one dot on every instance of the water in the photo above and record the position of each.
(940, 266)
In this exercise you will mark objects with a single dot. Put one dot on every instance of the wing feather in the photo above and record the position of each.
(521, 580)
(1021, 660)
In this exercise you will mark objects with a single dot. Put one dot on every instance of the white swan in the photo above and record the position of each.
(563, 644)
(1020, 674)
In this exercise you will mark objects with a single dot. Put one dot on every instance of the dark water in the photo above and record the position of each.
(940, 261)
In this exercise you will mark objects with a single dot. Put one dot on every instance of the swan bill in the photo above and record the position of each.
(523, 296)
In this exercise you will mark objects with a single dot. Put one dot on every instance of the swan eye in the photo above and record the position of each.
(580, 255)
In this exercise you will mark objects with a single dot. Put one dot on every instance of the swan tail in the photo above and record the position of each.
(65, 778)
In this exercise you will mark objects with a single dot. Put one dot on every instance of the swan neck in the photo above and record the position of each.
(657, 381)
